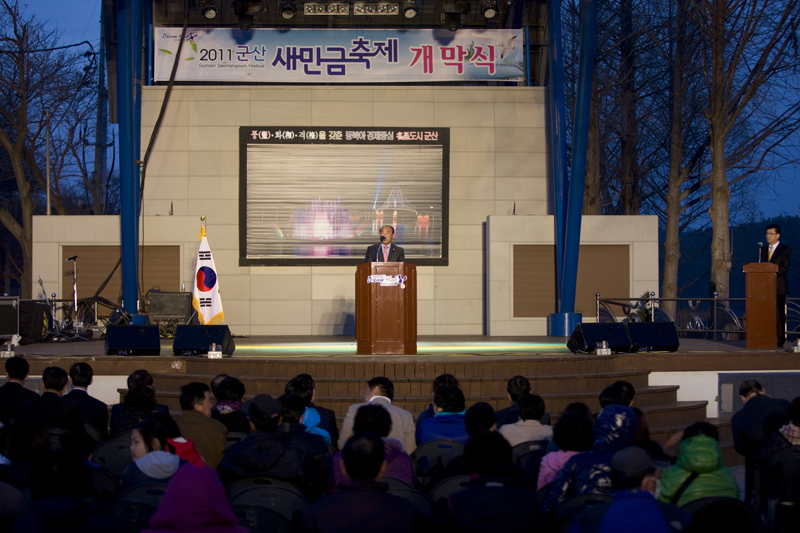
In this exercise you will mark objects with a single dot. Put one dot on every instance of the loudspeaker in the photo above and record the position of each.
(585, 337)
(653, 336)
(9, 316)
(195, 340)
(34, 319)
(132, 340)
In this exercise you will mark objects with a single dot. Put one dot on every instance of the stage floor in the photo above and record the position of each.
(428, 347)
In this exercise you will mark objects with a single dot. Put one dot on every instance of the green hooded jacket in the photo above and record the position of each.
(699, 454)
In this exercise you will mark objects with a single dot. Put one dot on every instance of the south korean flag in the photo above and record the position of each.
(205, 294)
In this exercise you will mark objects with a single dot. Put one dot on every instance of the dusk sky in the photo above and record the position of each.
(79, 20)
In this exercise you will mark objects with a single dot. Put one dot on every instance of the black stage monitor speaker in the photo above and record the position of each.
(132, 340)
(195, 340)
(34, 319)
(585, 337)
(653, 336)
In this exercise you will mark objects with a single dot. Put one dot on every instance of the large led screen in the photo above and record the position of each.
(319, 196)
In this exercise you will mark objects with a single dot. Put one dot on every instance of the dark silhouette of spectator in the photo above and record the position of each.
(589, 472)
(618, 393)
(699, 456)
(376, 420)
(443, 380)
(304, 386)
(11, 506)
(516, 387)
(94, 411)
(27, 442)
(13, 394)
(479, 418)
(753, 425)
(177, 444)
(296, 412)
(634, 481)
(381, 390)
(528, 428)
(50, 408)
(362, 504)
(490, 502)
(269, 452)
(195, 501)
(219, 378)
(294, 416)
(152, 461)
(195, 423)
(791, 431)
(448, 422)
(228, 410)
(137, 405)
(644, 441)
(572, 434)
(723, 516)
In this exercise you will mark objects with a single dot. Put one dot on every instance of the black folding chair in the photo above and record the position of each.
(428, 454)
(528, 458)
(571, 508)
(422, 501)
(287, 502)
(447, 487)
(780, 482)
(126, 515)
(105, 485)
(258, 519)
(234, 437)
(240, 485)
(114, 455)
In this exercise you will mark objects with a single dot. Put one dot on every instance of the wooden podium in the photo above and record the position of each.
(386, 308)
(761, 296)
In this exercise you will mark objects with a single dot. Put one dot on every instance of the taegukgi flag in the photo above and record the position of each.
(205, 294)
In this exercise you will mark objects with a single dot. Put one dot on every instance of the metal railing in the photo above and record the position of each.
(708, 318)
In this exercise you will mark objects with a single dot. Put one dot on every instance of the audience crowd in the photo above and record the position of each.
(66, 465)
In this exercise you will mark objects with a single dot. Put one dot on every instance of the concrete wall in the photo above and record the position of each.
(498, 166)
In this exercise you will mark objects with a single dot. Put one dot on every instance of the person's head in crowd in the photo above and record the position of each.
(723, 515)
(750, 388)
(642, 428)
(444, 380)
(530, 407)
(60, 475)
(81, 375)
(480, 417)
(701, 428)
(488, 454)
(140, 398)
(573, 432)
(229, 390)
(219, 378)
(373, 418)
(379, 386)
(140, 377)
(614, 394)
(449, 400)
(633, 468)
(196, 396)
(517, 386)
(363, 457)
(17, 369)
(148, 436)
(171, 428)
(292, 408)
(579, 408)
(794, 411)
(263, 412)
(54, 379)
(630, 391)
(26, 439)
(302, 385)
(615, 427)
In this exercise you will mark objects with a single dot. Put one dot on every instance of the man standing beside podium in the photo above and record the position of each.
(781, 255)
(385, 251)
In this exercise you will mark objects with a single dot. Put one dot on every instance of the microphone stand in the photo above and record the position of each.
(759, 251)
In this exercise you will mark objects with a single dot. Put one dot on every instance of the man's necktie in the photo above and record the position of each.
(771, 246)
(386, 254)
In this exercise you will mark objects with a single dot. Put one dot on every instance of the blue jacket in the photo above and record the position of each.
(444, 426)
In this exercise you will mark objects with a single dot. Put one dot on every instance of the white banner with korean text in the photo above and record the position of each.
(340, 56)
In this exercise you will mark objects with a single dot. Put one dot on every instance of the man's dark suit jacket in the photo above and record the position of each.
(123, 420)
(396, 254)
(54, 412)
(781, 256)
(327, 421)
(12, 397)
(93, 410)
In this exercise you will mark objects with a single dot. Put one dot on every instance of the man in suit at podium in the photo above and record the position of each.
(385, 251)
(781, 255)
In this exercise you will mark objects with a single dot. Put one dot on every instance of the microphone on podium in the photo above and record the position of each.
(383, 238)
(759, 251)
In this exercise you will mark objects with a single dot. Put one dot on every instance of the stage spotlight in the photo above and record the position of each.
(452, 12)
(288, 9)
(246, 12)
(489, 8)
(410, 8)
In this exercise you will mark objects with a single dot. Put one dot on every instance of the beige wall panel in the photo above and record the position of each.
(280, 113)
(347, 113)
(472, 188)
(171, 187)
(207, 113)
(519, 115)
(219, 94)
(214, 139)
(166, 165)
(42, 268)
(464, 287)
(288, 94)
(280, 312)
(463, 95)
(513, 164)
(463, 114)
(425, 329)
(462, 262)
(176, 114)
(170, 138)
(404, 94)
(341, 94)
(237, 312)
(221, 211)
(470, 211)
(425, 286)
(214, 187)
(403, 114)
(471, 140)
(282, 271)
(227, 261)
(499, 303)
(471, 164)
(645, 260)
(214, 164)
(280, 287)
(236, 288)
(526, 140)
(269, 330)
(500, 262)
(537, 95)
(154, 207)
(336, 271)
(329, 287)
(521, 207)
(425, 312)
(466, 237)
(520, 189)
(455, 312)
(466, 329)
